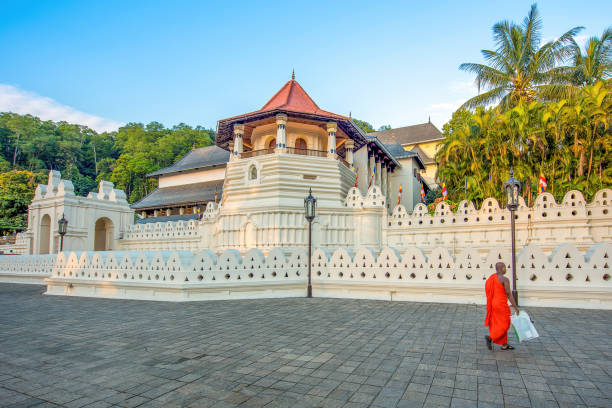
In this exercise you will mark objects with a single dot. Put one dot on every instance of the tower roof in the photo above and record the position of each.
(292, 97)
(292, 100)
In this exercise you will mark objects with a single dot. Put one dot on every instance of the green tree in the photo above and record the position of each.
(595, 63)
(363, 125)
(519, 69)
(16, 191)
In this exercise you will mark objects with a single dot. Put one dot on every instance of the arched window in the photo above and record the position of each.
(300, 145)
(272, 144)
(253, 172)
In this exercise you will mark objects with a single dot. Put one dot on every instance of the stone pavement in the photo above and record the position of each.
(75, 352)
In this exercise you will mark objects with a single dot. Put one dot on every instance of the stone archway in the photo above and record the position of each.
(45, 235)
(103, 234)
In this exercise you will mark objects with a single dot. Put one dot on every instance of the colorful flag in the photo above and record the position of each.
(399, 195)
(356, 175)
(542, 185)
(215, 195)
(372, 177)
(444, 192)
(199, 212)
(422, 192)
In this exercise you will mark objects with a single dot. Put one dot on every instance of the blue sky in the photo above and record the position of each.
(110, 62)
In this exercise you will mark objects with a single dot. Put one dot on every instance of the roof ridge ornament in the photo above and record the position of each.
(293, 74)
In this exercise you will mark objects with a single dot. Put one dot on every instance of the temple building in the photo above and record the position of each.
(291, 124)
(423, 139)
(190, 183)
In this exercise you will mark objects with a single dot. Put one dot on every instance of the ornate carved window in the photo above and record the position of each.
(252, 172)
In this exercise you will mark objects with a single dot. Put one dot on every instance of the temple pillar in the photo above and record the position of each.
(331, 139)
(378, 170)
(371, 166)
(388, 191)
(238, 133)
(383, 178)
(231, 149)
(281, 133)
(349, 145)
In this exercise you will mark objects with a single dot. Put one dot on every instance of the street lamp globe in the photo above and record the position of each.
(310, 204)
(62, 225)
(512, 187)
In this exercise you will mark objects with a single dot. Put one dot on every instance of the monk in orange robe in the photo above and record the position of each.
(497, 289)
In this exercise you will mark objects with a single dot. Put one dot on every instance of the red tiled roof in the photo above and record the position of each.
(293, 100)
(293, 97)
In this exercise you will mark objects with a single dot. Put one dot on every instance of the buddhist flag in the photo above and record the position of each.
(422, 192)
(199, 212)
(542, 185)
(356, 175)
(215, 195)
(372, 177)
(444, 192)
(399, 195)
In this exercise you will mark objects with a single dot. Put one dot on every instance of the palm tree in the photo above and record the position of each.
(596, 62)
(519, 69)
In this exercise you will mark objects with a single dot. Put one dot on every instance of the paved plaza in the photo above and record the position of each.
(76, 352)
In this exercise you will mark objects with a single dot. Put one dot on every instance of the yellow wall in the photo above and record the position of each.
(430, 148)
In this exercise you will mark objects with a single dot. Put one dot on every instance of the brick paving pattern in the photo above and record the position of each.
(80, 352)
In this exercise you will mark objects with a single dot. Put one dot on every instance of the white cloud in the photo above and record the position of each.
(458, 93)
(13, 99)
(441, 113)
(464, 87)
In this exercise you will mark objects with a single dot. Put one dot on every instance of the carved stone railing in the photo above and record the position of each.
(565, 278)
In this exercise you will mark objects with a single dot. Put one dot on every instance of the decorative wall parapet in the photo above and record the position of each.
(567, 277)
(547, 223)
(373, 199)
(26, 268)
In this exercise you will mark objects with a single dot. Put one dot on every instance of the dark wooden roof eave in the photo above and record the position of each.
(225, 130)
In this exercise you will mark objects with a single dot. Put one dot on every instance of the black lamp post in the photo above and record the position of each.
(310, 204)
(512, 188)
(62, 227)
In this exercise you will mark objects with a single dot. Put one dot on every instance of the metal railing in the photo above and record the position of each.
(292, 150)
(306, 152)
(254, 153)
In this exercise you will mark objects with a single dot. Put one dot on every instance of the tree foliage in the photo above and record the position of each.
(520, 69)
(365, 126)
(568, 141)
(85, 157)
(16, 191)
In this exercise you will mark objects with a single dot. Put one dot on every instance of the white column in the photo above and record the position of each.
(281, 133)
(383, 177)
(349, 145)
(378, 170)
(371, 164)
(238, 132)
(231, 149)
(331, 139)
(388, 192)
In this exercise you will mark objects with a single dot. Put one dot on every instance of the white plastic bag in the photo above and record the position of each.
(523, 328)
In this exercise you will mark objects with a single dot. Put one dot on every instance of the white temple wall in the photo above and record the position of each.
(107, 208)
(567, 277)
(361, 222)
(201, 176)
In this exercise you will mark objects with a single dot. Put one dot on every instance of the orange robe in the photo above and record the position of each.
(498, 311)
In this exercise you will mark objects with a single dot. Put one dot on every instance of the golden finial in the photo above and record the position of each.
(293, 74)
